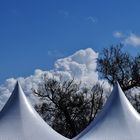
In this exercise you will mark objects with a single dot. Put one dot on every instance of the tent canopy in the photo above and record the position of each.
(19, 120)
(118, 120)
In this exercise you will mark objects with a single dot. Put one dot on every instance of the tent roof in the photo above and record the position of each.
(19, 121)
(118, 120)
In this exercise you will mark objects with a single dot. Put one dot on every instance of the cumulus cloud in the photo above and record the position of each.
(81, 66)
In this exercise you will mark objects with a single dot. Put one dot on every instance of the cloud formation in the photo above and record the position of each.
(133, 40)
(128, 39)
(81, 65)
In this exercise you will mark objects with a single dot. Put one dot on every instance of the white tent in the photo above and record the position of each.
(19, 121)
(118, 120)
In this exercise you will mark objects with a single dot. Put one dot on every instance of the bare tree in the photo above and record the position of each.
(67, 107)
(116, 65)
(135, 100)
(136, 71)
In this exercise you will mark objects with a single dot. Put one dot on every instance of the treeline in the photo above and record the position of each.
(69, 108)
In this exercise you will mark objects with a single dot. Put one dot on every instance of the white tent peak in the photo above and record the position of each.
(117, 120)
(19, 120)
(17, 97)
(18, 87)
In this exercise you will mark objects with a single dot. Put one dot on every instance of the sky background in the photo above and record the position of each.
(33, 34)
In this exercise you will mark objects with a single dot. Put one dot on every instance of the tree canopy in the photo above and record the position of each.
(67, 107)
(116, 65)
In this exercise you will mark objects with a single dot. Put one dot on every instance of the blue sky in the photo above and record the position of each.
(33, 33)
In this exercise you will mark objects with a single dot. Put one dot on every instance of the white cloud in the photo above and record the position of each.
(92, 19)
(118, 34)
(81, 65)
(133, 40)
(128, 39)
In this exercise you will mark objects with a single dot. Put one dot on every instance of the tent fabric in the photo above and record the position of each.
(19, 120)
(118, 120)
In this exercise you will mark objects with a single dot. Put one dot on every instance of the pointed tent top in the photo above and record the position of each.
(117, 91)
(17, 88)
(19, 120)
(117, 120)
(17, 85)
(117, 85)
